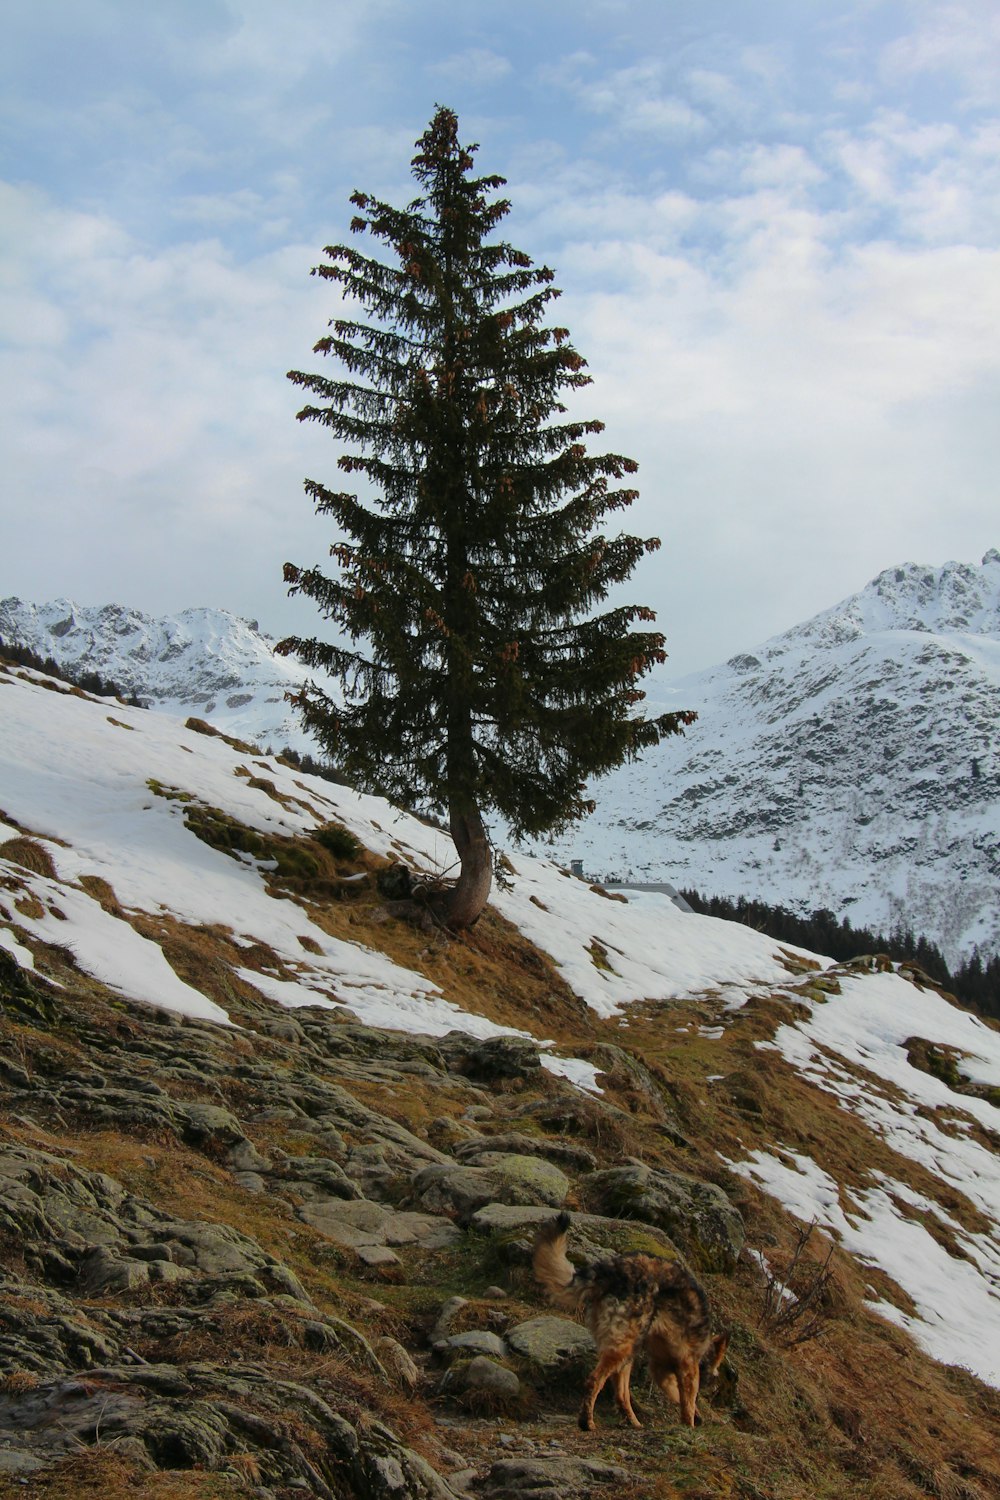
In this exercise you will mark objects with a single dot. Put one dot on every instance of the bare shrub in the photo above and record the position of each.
(795, 1307)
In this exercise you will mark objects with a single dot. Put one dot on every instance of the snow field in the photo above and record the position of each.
(956, 1301)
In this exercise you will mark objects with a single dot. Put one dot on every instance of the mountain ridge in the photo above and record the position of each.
(200, 660)
(848, 763)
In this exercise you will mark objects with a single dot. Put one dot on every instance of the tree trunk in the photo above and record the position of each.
(465, 902)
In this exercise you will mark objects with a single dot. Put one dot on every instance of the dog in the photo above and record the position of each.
(631, 1302)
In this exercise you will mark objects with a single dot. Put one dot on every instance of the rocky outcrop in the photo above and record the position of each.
(182, 1341)
(165, 1417)
(546, 1478)
(696, 1215)
(500, 1178)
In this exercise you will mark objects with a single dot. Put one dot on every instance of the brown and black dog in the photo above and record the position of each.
(631, 1303)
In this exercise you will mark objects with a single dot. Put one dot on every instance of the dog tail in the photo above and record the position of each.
(552, 1267)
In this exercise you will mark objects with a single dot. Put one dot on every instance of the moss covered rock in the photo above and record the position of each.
(697, 1215)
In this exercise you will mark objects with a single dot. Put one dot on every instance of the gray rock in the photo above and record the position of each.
(200, 1417)
(446, 1318)
(164, 1271)
(447, 1188)
(551, 1343)
(317, 1176)
(103, 1272)
(327, 1334)
(696, 1214)
(590, 1234)
(496, 1057)
(560, 1478)
(210, 1125)
(364, 1223)
(377, 1255)
(625, 1073)
(474, 1341)
(527, 1179)
(66, 1217)
(397, 1363)
(508, 1218)
(244, 1157)
(485, 1377)
(250, 1182)
(14, 1461)
(450, 1188)
(515, 1142)
(43, 1333)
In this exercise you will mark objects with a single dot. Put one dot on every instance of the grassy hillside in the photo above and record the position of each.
(271, 1164)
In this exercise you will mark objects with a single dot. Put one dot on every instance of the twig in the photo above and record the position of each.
(796, 1314)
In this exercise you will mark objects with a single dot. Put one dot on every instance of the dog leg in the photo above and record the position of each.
(687, 1389)
(608, 1361)
(623, 1394)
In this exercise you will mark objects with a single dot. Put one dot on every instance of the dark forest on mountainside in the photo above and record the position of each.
(975, 982)
(88, 682)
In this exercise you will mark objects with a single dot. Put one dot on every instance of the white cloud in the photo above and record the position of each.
(778, 245)
(635, 99)
(149, 430)
(476, 67)
(959, 39)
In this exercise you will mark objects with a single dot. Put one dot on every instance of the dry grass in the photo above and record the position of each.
(30, 855)
(856, 1412)
(103, 893)
(107, 1475)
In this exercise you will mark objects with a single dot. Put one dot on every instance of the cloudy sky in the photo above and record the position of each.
(776, 224)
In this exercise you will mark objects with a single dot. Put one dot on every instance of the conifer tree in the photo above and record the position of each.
(473, 672)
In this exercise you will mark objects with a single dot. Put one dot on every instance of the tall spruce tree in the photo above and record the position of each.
(471, 574)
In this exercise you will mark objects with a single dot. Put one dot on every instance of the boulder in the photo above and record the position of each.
(591, 1235)
(496, 1057)
(515, 1142)
(551, 1343)
(474, 1341)
(447, 1188)
(446, 1318)
(696, 1214)
(396, 1362)
(460, 1190)
(360, 1223)
(558, 1478)
(484, 1378)
(526, 1179)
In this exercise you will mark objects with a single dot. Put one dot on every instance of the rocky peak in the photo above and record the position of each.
(201, 660)
(849, 763)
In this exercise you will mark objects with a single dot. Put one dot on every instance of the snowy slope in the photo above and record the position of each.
(103, 790)
(850, 763)
(866, 1027)
(104, 803)
(201, 662)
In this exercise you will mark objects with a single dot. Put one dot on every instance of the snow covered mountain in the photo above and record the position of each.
(850, 763)
(202, 662)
